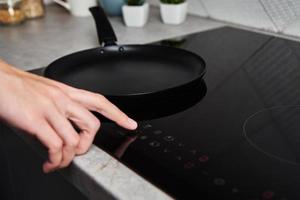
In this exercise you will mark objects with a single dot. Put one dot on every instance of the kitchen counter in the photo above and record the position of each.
(36, 43)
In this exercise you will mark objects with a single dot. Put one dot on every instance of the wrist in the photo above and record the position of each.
(7, 69)
(7, 73)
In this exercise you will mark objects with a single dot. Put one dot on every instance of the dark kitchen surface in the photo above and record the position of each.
(241, 140)
(21, 175)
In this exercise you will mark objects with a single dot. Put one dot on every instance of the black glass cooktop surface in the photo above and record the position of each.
(240, 140)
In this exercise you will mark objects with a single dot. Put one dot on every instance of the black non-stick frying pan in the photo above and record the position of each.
(129, 74)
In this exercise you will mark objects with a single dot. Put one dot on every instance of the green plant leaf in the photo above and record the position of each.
(135, 2)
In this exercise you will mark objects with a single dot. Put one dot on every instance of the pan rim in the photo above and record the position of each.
(200, 74)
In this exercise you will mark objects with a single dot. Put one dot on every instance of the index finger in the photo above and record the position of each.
(98, 103)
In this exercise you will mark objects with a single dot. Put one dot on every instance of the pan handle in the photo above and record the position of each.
(105, 31)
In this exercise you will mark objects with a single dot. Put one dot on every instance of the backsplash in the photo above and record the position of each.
(282, 12)
(246, 12)
(280, 16)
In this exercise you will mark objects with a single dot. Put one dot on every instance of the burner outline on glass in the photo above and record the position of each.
(261, 149)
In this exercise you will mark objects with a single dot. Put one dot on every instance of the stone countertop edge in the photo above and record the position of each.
(100, 176)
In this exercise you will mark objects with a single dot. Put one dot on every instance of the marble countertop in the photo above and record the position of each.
(36, 43)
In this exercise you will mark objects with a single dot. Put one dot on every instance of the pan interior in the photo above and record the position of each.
(129, 72)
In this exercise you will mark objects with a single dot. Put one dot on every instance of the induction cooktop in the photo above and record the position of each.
(240, 140)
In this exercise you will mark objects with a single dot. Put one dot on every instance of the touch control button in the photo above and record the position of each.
(219, 181)
(167, 150)
(193, 151)
(178, 157)
(143, 137)
(157, 132)
(169, 138)
(180, 145)
(146, 126)
(154, 144)
(203, 158)
(189, 165)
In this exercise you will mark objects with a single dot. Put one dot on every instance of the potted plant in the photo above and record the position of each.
(173, 11)
(135, 13)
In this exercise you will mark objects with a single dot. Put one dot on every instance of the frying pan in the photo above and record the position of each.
(129, 74)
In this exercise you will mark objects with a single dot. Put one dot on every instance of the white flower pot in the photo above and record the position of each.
(173, 13)
(135, 16)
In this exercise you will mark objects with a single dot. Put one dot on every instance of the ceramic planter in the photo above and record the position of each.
(112, 7)
(135, 16)
(173, 13)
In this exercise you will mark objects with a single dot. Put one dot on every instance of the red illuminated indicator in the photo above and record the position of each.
(203, 158)
(268, 195)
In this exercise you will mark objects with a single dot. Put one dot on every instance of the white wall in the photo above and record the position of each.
(282, 12)
(281, 16)
(245, 12)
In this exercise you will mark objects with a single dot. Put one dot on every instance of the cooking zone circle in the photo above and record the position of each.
(275, 132)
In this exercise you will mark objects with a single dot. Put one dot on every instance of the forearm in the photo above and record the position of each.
(8, 75)
(4, 67)
(7, 70)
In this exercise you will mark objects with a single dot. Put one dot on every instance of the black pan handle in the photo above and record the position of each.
(105, 31)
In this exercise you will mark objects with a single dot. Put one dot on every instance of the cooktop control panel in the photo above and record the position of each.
(182, 170)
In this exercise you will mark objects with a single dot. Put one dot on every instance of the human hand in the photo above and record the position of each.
(46, 110)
